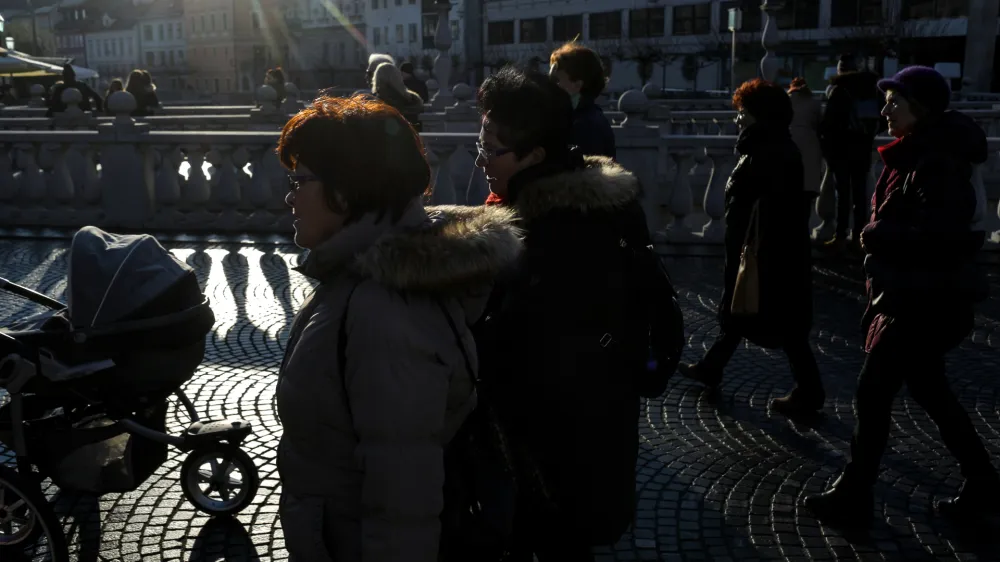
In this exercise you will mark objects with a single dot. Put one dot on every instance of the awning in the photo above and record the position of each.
(81, 73)
(15, 63)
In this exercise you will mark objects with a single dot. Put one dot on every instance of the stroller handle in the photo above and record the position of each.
(33, 296)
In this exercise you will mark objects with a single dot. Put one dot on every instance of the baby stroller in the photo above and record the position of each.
(87, 386)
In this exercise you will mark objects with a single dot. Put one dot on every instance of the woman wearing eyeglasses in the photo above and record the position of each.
(555, 345)
(377, 374)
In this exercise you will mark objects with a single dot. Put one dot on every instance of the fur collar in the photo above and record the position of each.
(456, 249)
(601, 184)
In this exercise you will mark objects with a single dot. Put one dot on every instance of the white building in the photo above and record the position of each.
(163, 44)
(685, 44)
(324, 43)
(406, 29)
(112, 47)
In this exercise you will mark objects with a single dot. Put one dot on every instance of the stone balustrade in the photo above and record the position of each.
(155, 174)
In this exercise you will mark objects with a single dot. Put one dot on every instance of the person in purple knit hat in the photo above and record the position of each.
(922, 285)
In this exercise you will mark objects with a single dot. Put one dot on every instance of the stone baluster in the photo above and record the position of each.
(32, 187)
(225, 192)
(8, 183)
(444, 186)
(258, 189)
(196, 189)
(37, 92)
(723, 163)
(633, 104)
(826, 207)
(60, 184)
(681, 200)
(268, 111)
(432, 88)
(88, 183)
(291, 103)
(442, 63)
(168, 185)
(769, 64)
(127, 186)
(641, 151)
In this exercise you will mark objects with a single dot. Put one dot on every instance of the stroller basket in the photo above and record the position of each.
(93, 455)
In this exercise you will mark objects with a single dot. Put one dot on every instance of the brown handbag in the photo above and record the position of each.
(746, 291)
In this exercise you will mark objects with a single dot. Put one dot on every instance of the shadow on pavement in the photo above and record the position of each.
(224, 538)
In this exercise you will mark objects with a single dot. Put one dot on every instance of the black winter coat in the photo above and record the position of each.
(592, 131)
(838, 142)
(922, 278)
(565, 399)
(770, 172)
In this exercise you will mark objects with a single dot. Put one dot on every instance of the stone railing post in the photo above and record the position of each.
(71, 117)
(442, 63)
(641, 151)
(127, 184)
(432, 88)
(769, 39)
(826, 207)
(37, 92)
(723, 163)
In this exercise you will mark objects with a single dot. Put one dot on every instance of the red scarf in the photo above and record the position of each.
(494, 199)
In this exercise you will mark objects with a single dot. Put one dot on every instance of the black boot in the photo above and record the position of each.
(978, 497)
(698, 372)
(843, 505)
(799, 401)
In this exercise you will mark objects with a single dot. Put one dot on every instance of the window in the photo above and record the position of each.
(647, 22)
(430, 30)
(799, 14)
(212, 20)
(107, 48)
(147, 31)
(927, 9)
(376, 36)
(606, 25)
(129, 45)
(179, 34)
(171, 61)
(374, 4)
(160, 30)
(121, 46)
(194, 26)
(203, 26)
(533, 30)
(399, 2)
(399, 33)
(847, 13)
(225, 21)
(180, 56)
(500, 33)
(693, 19)
(170, 31)
(566, 28)
(150, 58)
(413, 33)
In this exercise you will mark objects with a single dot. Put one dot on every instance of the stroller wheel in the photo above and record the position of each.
(26, 517)
(219, 479)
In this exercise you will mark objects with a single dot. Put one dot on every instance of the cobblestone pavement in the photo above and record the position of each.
(720, 477)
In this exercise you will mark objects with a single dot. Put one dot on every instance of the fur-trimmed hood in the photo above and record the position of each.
(440, 250)
(601, 184)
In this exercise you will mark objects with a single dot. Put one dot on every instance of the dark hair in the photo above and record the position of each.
(581, 63)
(528, 109)
(406, 67)
(766, 101)
(362, 149)
(799, 84)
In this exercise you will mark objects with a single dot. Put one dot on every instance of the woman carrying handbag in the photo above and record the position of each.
(767, 297)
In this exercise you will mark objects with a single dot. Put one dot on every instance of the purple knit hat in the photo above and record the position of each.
(921, 84)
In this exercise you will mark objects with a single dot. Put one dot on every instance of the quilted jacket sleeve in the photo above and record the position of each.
(397, 386)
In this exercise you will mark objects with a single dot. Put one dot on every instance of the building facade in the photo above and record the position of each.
(71, 29)
(406, 29)
(210, 40)
(163, 45)
(33, 34)
(112, 47)
(324, 43)
(686, 44)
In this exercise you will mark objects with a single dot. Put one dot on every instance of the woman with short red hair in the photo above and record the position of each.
(767, 209)
(379, 366)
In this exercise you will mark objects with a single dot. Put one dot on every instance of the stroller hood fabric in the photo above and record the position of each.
(112, 275)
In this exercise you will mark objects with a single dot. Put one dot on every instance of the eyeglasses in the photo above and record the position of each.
(296, 181)
(486, 154)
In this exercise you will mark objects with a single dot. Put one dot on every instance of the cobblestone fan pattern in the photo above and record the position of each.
(720, 478)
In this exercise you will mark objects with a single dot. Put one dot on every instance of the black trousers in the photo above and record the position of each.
(850, 171)
(890, 364)
(550, 538)
(800, 359)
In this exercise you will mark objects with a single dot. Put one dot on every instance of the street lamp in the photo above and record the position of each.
(9, 41)
(735, 24)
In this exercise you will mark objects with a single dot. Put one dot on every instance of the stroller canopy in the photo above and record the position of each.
(112, 275)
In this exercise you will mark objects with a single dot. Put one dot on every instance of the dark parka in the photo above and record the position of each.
(769, 172)
(565, 400)
(361, 453)
(592, 131)
(840, 144)
(922, 279)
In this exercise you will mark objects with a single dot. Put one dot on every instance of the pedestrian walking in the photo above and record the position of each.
(807, 113)
(579, 71)
(379, 366)
(767, 219)
(922, 286)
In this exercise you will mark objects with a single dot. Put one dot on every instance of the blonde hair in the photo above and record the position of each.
(387, 75)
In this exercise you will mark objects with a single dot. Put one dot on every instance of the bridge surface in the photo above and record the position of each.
(720, 477)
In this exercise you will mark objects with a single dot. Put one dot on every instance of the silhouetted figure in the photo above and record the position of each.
(413, 83)
(580, 72)
(387, 85)
(275, 78)
(140, 85)
(69, 80)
